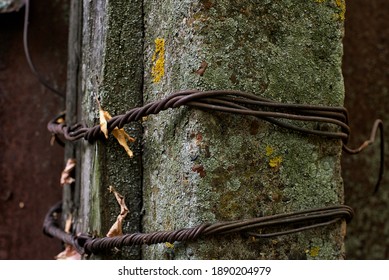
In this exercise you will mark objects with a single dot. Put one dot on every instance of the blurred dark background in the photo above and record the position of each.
(30, 167)
(366, 76)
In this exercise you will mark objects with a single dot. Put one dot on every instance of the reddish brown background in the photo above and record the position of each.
(29, 166)
(366, 74)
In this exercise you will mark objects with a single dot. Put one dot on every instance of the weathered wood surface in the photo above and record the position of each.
(112, 72)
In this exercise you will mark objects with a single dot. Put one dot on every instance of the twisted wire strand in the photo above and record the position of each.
(229, 101)
(295, 222)
(51, 228)
(235, 102)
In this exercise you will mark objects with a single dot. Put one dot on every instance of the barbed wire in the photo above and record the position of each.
(266, 227)
(235, 102)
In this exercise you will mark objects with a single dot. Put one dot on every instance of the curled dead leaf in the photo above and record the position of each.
(104, 116)
(202, 68)
(68, 223)
(52, 140)
(121, 136)
(70, 253)
(66, 177)
(60, 120)
(117, 228)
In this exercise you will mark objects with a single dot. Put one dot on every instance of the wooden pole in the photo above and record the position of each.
(112, 72)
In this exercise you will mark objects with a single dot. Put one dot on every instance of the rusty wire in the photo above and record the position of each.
(260, 227)
(228, 101)
(236, 102)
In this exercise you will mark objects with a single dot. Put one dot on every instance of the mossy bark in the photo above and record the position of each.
(112, 70)
(207, 166)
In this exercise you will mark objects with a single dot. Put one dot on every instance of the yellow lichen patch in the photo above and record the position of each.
(269, 151)
(158, 69)
(342, 6)
(275, 162)
(314, 251)
(169, 245)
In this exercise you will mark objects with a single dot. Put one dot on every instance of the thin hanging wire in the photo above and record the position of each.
(28, 56)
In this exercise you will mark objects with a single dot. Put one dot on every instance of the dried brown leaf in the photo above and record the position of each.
(66, 177)
(116, 229)
(104, 117)
(68, 224)
(52, 140)
(70, 253)
(60, 120)
(121, 136)
(202, 68)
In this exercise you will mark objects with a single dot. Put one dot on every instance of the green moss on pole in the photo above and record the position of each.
(206, 166)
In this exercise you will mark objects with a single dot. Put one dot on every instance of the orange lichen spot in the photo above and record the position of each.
(202, 68)
(199, 169)
(199, 138)
(158, 69)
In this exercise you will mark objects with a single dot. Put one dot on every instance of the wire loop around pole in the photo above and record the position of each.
(236, 102)
(286, 115)
(269, 226)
